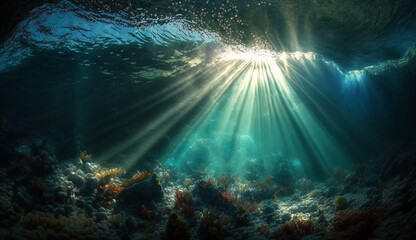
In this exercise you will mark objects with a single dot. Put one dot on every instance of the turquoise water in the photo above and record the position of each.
(168, 84)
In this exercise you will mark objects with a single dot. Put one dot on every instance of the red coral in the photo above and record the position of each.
(359, 224)
(145, 213)
(228, 197)
(294, 230)
(185, 204)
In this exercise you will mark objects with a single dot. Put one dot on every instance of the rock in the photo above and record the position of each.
(206, 194)
(76, 179)
(145, 193)
(91, 183)
(68, 210)
(286, 218)
(61, 197)
(130, 223)
(60, 211)
(88, 167)
(100, 216)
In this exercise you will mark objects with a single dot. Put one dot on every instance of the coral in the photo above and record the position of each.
(264, 230)
(185, 204)
(341, 203)
(74, 227)
(359, 224)
(228, 197)
(145, 213)
(224, 181)
(115, 220)
(248, 207)
(107, 194)
(176, 228)
(137, 178)
(212, 227)
(266, 184)
(101, 175)
(84, 156)
(294, 230)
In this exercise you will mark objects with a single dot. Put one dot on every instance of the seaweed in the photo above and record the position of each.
(294, 230)
(184, 204)
(84, 156)
(341, 203)
(212, 227)
(101, 175)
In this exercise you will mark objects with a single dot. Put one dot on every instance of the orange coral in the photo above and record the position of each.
(84, 156)
(110, 172)
(137, 178)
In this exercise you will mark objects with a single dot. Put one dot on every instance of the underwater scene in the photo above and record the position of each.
(208, 119)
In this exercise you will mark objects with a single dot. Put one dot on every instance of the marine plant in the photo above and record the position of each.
(115, 220)
(247, 206)
(138, 177)
(294, 230)
(358, 224)
(176, 228)
(224, 181)
(212, 227)
(265, 184)
(341, 203)
(101, 175)
(73, 227)
(264, 230)
(84, 156)
(228, 197)
(185, 204)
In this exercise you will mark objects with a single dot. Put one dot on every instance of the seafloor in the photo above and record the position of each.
(43, 197)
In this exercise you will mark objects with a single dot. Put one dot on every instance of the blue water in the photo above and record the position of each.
(137, 88)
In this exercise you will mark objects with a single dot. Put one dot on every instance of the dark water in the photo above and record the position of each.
(217, 86)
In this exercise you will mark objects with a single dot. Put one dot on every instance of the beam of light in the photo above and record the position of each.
(259, 117)
(239, 109)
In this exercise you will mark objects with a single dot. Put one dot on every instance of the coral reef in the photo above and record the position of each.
(212, 227)
(185, 204)
(73, 227)
(294, 230)
(359, 224)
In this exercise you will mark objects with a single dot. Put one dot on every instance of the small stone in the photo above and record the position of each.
(76, 179)
(80, 173)
(68, 210)
(61, 197)
(60, 211)
(100, 216)
(91, 183)
(88, 167)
